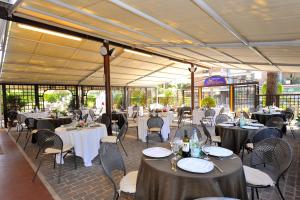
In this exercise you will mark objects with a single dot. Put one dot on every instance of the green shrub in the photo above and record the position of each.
(208, 102)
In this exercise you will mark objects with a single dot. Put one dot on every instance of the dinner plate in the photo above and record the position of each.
(157, 152)
(256, 124)
(250, 127)
(225, 125)
(217, 151)
(195, 165)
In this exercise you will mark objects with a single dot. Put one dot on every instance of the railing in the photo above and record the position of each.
(282, 101)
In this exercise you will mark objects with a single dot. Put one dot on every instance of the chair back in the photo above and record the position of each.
(155, 122)
(275, 122)
(222, 111)
(92, 113)
(210, 113)
(190, 129)
(29, 122)
(222, 118)
(273, 153)
(111, 160)
(289, 116)
(105, 119)
(48, 139)
(21, 118)
(85, 117)
(44, 124)
(206, 132)
(12, 115)
(122, 131)
(264, 133)
(78, 113)
(290, 109)
(246, 115)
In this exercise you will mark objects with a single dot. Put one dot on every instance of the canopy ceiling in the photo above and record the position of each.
(253, 35)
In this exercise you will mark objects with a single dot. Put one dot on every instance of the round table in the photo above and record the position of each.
(157, 181)
(56, 122)
(234, 137)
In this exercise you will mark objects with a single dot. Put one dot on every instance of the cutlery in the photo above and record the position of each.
(218, 168)
(154, 159)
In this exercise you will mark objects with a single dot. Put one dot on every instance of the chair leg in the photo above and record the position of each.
(37, 155)
(18, 136)
(123, 148)
(161, 138)
(75, 163)
(252, 193)
(137, 133)
(256, 189)
(27, 140)
(243, 150)
(37, 170)
(278, 188)
(292, 131)
(60, 166)
(54, 161)
(147, 140)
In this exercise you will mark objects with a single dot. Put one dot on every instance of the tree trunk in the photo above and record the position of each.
(272, 87)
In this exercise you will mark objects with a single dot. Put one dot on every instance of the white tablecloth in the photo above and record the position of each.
(142, 128)
(36, 115)
(85, 141)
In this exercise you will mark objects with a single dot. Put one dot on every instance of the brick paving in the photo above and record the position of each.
(90, 183)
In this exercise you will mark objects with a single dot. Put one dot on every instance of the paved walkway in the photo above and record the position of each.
(16, 174)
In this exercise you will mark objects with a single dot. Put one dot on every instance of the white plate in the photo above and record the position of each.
(157, 152)
(217, 151)
(195, 165)
(250, 127)
(256, 124)
(225, 125)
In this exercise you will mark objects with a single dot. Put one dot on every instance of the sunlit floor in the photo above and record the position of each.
(90, 182)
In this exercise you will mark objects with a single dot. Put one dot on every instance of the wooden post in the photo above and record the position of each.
(77, 104)
(4, 105)
(36, 96)
(192, 88)
(199, 96)
(272, 84)
(231, 98)
(107, 85)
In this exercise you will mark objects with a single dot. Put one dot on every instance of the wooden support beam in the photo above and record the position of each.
(231, 98)
(36, 96)
(200, 96)
(4, 105)
(192, 86)
(107, 84)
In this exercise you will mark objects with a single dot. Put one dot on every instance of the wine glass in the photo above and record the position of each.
(205, 152)
(175, 146)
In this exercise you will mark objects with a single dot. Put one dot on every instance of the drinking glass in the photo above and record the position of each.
(205, 152)
(175, 146)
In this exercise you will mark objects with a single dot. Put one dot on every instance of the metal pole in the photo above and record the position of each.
(107, 84)
(36, 96)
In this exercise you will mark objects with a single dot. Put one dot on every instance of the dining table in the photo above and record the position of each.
(234, 137)
(263, 117)
(86, 141)
(156, 180)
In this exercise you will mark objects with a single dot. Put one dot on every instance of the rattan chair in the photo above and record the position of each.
(116, 139)
(269, 160)
(270, 132)
(155, 125)
(111, 160)
(289, 117)
(190, 130)
(12, 119)
(222, 118)
(52, 144)
(21, 122)
(42, 125)
(275, 122)
(131, 125)
(211, 139)
(105, 119)
(209, 116)
(30, 127)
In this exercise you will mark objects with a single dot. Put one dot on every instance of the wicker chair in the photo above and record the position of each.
(29, 122)
(155, 125)
(112, 160)
(12, 119)
(115, 139)
(42, 125)
(289, 117)
(222, 118)
(52, 144)
(270, 132)
(209, 138)
(190, 129)
(275, 122)
(209, 116)
(21, 122)
(273, 157)
(105, 119)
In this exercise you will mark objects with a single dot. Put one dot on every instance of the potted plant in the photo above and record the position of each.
(208, 102)
(15, 102)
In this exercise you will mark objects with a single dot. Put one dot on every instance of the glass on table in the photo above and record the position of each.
(175, 146)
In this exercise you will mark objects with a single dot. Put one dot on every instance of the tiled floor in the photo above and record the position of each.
(90, 183)
(16, 174)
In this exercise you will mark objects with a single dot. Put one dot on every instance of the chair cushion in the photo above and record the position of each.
(216, 138)
(34, 131)
(66, 148)
(109, 139)
(249, 146)
(257, 177)
(154, 129)
(128, 182)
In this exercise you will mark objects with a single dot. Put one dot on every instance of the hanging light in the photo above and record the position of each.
(41, 30)
(137, 53)
(193, 68)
